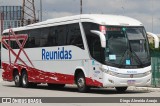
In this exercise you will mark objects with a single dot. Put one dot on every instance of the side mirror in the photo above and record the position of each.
(156, 39)
(102, 37)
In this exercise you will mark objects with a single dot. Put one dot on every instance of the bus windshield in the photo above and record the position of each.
(126, 47)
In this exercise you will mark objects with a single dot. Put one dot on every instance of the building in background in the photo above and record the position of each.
(10, 16)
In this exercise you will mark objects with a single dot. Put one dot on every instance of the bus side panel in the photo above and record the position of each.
(7, 73)
(47, 70)
(40, 76)
(36, 75)
(96, 76)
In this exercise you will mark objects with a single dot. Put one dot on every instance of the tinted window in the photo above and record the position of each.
(74, 36)
(52, 36)
(61, 33)
(44, 37)
(93, 41)
(34, 38)
(12, 44)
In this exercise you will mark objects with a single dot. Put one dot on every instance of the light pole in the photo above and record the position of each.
(41, 10)
(152, 16)
(81, 4)
(123, 9)
(38, 12)
(159, 21)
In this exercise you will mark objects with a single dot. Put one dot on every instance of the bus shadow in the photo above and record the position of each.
(91, 91)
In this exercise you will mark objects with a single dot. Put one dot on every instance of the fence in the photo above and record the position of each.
(155, 62)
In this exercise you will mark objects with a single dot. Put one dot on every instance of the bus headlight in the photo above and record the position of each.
(111, 73)
(108, 72)
(147, 73)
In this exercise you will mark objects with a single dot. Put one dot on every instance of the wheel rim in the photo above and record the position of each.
(81, 82)
(24, 80)
(16, 79)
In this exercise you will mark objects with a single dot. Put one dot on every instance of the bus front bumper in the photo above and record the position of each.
(114, 81)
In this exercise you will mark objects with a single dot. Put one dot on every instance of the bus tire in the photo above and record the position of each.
(17, 79)
(56, 86)
(25, 82)
(121, 89)
(81, 83)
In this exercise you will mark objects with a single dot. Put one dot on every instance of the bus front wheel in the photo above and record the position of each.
(81, 83)
(121, 89)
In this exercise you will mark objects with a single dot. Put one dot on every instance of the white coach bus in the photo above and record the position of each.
(89, 50)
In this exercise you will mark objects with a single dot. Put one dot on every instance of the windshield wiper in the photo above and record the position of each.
(123, 58)
(130, 53)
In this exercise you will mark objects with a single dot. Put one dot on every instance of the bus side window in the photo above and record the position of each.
(34, 38)
(13, 44)
(93, 41)
(74, 36)
(62, 35)
(44, 37)
(54, 35)
(94, 46)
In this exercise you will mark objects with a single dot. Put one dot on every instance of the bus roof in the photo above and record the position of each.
(102, 19)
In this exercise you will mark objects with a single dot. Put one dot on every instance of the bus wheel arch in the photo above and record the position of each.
(77, 71)
(80, 81)
(17, 77)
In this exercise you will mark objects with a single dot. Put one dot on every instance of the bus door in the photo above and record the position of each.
(96, 55)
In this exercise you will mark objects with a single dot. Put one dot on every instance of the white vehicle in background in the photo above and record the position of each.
(90, 50)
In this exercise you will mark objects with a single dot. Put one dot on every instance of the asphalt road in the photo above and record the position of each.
(7, 89)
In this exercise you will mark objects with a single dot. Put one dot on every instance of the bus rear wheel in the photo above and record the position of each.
(81, 83)
(121, 89)
(17, 79)
(25, 82)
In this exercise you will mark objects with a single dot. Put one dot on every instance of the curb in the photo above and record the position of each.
(145, 89)
(149, 89)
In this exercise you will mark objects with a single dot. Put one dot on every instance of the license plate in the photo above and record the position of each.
(131, 82)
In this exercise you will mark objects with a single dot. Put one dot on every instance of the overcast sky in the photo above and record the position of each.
(143, 10)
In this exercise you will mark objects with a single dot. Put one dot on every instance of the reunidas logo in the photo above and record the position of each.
(60, 54)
